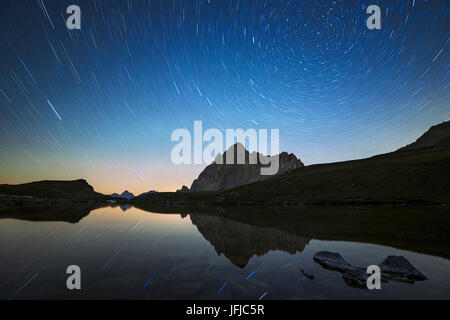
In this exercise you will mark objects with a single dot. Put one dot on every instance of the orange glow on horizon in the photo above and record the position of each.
(111, 178)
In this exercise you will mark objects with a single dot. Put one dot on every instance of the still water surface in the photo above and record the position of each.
(135, 254)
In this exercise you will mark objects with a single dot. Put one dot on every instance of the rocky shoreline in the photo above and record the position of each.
(9, 202)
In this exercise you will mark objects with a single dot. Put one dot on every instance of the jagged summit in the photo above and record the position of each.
(221, 176)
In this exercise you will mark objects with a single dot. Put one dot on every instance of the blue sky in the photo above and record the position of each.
(100, 103)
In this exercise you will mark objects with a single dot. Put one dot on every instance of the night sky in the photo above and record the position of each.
(100, 103)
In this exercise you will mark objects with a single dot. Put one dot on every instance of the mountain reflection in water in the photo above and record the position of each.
(192, 253)
(240, 241)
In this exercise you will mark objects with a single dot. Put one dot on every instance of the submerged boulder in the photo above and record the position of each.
(394, 268)
(399, 267)
(356, 278)
(332, 261)
(307, 275)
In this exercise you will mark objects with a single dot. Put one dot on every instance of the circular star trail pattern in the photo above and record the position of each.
(101, 102)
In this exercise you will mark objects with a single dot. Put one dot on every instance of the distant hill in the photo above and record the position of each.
(125, 195)
(129, 195)
(436, 136)
(217, 177)
(75, 189)
(146, 193)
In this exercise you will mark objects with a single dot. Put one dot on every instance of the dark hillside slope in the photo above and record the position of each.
(436, 136)
(415, 176)
(76, 189)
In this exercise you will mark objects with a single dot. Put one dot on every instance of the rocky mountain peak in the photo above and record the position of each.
(245, 168)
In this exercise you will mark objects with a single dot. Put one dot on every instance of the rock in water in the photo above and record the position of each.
(307, 275)
(395, 268)
(356, 278)
(333, 261)
(221, 176)
(399, 267)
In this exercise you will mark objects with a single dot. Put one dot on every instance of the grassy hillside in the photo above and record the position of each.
(438, 135)
(408, 176)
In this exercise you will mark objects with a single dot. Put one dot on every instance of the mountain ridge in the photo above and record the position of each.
(124, 195)
(418, 175)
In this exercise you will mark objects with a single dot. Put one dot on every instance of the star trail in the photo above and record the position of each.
(100, 103)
